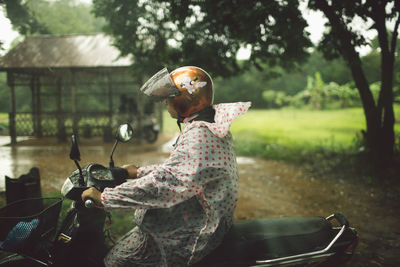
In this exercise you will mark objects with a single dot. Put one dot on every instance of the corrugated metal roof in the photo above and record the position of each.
(64, 52)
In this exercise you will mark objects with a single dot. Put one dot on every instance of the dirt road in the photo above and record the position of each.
(267, 189)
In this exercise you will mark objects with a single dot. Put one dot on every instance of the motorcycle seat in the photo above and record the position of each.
(271, 238)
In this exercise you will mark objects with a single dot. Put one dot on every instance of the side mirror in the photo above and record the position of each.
(124, 133)
(74, 153)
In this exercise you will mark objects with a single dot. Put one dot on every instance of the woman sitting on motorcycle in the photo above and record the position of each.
(184, 206)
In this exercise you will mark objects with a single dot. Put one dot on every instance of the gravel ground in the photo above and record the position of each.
(267, 189)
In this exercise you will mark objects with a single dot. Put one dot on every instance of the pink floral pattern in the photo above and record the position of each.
(184, 206)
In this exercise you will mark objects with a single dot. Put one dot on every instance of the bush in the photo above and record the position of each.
(319, 95)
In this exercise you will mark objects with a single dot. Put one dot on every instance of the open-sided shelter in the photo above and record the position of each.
(75, 83)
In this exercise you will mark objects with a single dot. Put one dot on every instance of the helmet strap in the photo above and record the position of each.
(179, 125)
(179, 121)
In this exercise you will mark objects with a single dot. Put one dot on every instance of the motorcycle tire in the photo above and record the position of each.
(150, 134)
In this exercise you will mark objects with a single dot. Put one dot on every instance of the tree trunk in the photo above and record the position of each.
(379, 136)
(385, 102)
(386, 106)
(372, 135)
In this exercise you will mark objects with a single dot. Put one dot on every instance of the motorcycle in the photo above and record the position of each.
(80, 241)
(150, 129)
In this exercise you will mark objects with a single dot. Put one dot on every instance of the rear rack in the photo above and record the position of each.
(315, 255)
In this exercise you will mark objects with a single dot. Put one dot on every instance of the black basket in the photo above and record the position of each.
(22, 228)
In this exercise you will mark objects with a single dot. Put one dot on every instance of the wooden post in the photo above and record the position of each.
(11, 115)
(73, 104)
(61, 134)
(107, 130)
(110, 97)
(34, 103)
(39, 107)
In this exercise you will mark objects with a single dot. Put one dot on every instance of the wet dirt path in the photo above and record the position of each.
(266, 189)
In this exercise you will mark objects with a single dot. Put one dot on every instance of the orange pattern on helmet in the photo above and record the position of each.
(196, 89)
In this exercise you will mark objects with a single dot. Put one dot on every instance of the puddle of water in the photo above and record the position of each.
(54, 163)
(245, 161)
(15, 161)
(5, 140)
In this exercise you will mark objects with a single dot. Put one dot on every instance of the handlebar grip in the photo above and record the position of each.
(89, 203)
(341, 219)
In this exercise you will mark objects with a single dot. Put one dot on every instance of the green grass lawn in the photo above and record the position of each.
(288, 133)
(4, 119)
(291, 127)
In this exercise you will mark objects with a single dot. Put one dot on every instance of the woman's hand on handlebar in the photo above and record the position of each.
(92, 193)
(132, 170)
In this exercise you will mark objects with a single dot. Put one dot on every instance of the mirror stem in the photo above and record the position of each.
(81, 180)
(112, 153)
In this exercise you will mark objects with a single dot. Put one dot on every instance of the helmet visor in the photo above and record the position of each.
(160, 86)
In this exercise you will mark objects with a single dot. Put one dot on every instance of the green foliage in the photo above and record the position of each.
(4, 99)
(52, 17)
(23, 19)
(316, 91)
(345, 94)
(287, 85)
(243, 87)
(269, 97)
(275, 99)
(206, 33)
(319, 95)
(66, 17)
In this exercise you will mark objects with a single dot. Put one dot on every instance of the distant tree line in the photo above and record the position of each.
(318, 83)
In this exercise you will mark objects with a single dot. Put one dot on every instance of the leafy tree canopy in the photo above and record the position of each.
(206, 33)
(52, 17)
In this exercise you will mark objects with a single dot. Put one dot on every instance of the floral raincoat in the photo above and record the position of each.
(185, 206)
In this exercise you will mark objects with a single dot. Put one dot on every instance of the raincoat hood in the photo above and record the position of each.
(224, 115)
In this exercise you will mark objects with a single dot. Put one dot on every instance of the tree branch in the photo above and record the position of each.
(395, 35)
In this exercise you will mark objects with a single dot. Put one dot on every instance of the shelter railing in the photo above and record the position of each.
(61, 125)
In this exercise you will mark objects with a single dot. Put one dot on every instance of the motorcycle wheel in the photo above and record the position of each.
(150, 134)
